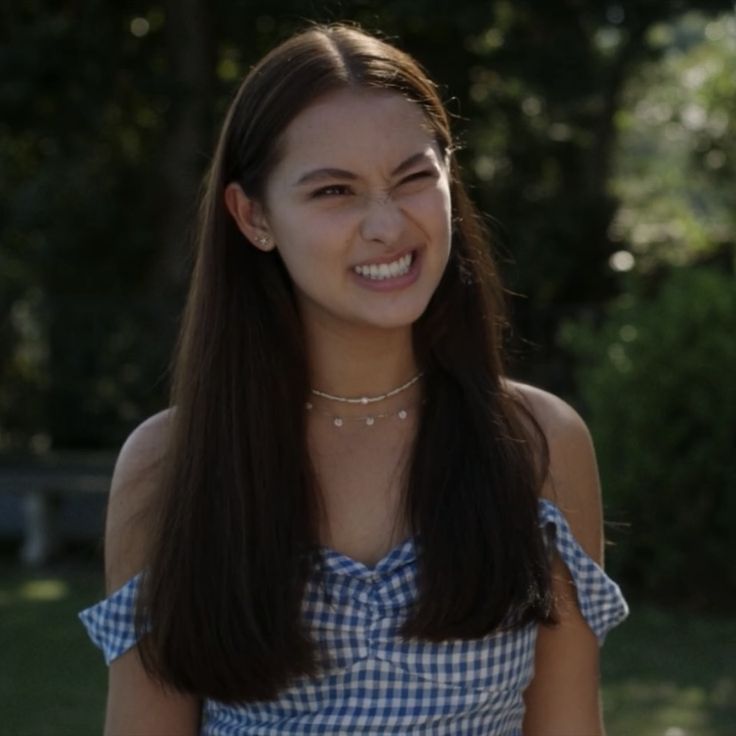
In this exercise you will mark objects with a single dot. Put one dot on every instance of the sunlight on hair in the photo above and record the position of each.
(43, 590)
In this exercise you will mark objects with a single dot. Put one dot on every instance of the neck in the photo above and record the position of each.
(362, 363)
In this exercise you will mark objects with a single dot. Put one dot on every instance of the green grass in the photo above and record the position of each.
(670, 674)
(52, 680)
(664, 673)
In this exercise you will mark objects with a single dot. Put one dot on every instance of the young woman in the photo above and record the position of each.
(350, 521)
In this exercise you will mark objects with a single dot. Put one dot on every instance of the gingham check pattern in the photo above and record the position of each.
(372, 681)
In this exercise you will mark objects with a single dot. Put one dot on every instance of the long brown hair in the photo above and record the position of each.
(235, 525)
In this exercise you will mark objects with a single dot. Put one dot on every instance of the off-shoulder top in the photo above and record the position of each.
(375, 682)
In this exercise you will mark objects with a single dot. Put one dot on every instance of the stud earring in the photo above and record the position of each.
(263, 240)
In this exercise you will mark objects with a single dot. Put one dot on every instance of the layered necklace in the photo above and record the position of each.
(367, 419)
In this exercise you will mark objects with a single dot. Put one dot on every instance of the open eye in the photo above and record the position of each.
(332, 190)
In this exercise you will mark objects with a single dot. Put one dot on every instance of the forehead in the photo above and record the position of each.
(356, 128)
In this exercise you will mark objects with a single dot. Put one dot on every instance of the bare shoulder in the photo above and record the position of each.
(135, 482)
(573, 483)
(558, 420)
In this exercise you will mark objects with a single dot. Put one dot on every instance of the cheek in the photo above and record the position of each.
(310, 229)
(433, 212)
(309, 247)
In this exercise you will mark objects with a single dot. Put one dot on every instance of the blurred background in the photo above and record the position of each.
(598, 139)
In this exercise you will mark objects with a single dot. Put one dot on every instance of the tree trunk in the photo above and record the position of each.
(188, 139)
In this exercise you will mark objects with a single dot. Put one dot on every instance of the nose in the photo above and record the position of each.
(383, 220)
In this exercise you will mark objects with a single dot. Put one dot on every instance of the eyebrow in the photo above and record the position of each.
(332, 173)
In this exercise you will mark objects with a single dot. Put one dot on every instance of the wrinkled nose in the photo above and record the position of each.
(383, 220)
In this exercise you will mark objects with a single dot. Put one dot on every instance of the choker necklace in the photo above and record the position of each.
(368, 399)
(369, 420)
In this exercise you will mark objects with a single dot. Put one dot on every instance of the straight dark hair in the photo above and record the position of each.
(235, 525)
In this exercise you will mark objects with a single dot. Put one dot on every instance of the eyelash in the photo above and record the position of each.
(327, 191)
(343, 188)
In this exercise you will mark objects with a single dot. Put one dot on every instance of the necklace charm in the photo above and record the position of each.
(367, 419)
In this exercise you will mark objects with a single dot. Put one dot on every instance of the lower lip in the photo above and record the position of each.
(392, 283)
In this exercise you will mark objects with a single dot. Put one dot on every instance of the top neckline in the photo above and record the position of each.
(342, 564)
(399, 555)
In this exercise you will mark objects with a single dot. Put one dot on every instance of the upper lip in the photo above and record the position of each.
(386, 259)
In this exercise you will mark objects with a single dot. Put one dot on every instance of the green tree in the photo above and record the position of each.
(108, 116)
(674, 173)
(657, 380)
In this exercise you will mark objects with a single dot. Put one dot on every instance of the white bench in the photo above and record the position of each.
(42, 484)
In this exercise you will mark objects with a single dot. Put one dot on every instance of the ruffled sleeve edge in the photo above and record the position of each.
(110, 623)
(600, 599)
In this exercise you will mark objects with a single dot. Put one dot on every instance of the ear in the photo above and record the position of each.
(249, 217)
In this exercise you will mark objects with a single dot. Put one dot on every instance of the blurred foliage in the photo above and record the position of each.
(675, 173)
(77, 235)
(657, 380)
(108, 113)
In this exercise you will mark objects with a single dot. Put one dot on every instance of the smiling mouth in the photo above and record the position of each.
(380, 272)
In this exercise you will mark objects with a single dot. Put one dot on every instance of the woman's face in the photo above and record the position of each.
(359, 209)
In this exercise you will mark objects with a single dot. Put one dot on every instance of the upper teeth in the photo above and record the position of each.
(386, 270)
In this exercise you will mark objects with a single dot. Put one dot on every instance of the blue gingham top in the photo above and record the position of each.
(374, 682)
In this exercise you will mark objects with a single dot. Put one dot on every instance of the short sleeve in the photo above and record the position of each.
(111, 622)
(600, 600)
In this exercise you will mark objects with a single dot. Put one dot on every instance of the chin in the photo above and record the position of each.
(399, 319)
